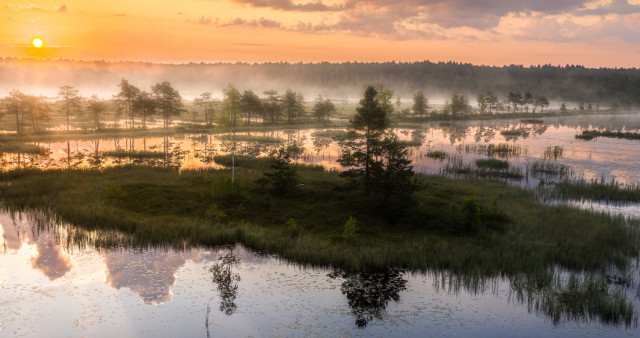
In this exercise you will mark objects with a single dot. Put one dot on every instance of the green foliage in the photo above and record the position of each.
(377, 159)
(167, 100)
(243, 161)
(22, 148)
(251, 138)
(591, 134)
(323, 109)
(284, 178)
(350, 231)
(437, 154)
(563, 108)
(223, 189)
(134, 153)
(534, 121)
(115, 191)
(214, 213)
(470, 215)
(292, 227)
(459, 105)
(420, 104)
(511, 133)
(492, 163)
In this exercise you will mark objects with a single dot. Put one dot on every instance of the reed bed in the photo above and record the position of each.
(591, 134)
(503, 150)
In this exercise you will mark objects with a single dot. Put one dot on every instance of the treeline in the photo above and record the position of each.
(605, 86)
(133, 105)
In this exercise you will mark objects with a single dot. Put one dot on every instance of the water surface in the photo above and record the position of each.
(55, 282)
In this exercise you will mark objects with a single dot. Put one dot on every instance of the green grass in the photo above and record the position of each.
(575, 297)
(554, 152)
(548, 169)
(484, 168)
(157, 205)
(472, 229)
(533, 121)
(102, 133)
(410, 143)
(503, 150)
(22, 148)
(134, 153)
(244, 161)
(332, 133)
(596, 190)
(591, 134)
(511, 133)
(437, 154)
(251, 138)
(492, 163)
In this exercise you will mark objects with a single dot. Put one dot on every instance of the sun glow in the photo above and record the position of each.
(37, 42)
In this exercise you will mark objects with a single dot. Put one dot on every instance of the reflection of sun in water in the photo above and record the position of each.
(37, 42)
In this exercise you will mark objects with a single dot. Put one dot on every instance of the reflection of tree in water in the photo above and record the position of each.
(208, 151)
(484, 133)
(321, 143)
(368, 293)
(74, 158)
(419, 136)
(95, 158)
(454, 134)
(227, 282)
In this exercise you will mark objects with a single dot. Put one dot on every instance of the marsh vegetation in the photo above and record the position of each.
(349, 196)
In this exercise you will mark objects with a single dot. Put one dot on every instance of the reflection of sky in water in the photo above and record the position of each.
(159, 292)
(602, 157)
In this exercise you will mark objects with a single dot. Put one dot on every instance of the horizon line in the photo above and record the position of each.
(182, 63)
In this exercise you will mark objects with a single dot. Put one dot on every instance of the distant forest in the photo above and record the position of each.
(346, 80)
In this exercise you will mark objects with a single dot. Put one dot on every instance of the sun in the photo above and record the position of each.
(37, 42)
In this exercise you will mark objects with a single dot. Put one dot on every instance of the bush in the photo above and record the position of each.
(350, 229)
(470, 214)
(292, 228)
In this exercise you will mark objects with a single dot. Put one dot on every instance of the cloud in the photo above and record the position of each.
(150, 275)
(614, 7)
(262, 22)
(453, 19)
(22, 8)
(62, 8)
(288, 5)
(50, 259)
(204, 21)
(563, 28)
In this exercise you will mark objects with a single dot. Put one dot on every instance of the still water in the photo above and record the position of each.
(602, 158)
(55, 281)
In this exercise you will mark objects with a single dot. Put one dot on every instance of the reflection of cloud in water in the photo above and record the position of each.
(150, 274)
(50, 259)
(13, 233)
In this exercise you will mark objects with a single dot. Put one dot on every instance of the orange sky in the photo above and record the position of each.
(494, 32)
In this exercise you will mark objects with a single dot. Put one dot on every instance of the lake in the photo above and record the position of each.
(602, 158)
(55, 281)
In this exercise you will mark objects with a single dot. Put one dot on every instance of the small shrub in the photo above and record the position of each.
(115, 191)
(470, 214)
(292, 227)
(214, 213)
(350, 229)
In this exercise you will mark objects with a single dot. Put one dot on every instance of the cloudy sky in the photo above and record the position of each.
(599, 33)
